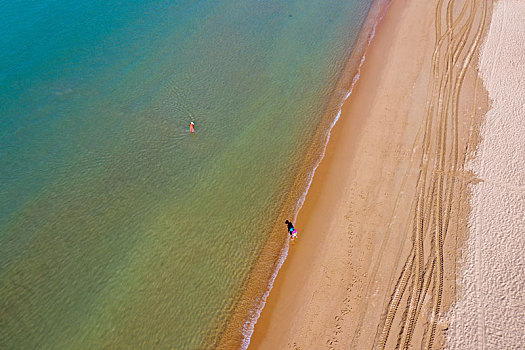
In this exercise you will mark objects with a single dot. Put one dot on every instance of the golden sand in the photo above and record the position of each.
(385, 219)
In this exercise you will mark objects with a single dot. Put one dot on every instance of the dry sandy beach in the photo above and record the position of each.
(490, 311)
(385, 257)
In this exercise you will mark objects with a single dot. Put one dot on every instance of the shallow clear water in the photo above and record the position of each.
(117, 228)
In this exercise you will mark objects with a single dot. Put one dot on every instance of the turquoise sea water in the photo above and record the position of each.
(117, 228)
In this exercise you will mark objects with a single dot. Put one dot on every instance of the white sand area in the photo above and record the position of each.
(490, 311)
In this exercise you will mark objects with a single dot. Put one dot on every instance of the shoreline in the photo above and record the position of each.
(374, 17)
(355, 222)
(311, 161)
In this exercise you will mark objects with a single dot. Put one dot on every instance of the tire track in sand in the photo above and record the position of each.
(434, 198)
(400, 287)
(399, 290)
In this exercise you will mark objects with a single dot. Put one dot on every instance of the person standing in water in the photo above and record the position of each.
(192, 127)
(291, 230)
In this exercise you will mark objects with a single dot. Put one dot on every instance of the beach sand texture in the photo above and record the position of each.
(384, 222)
(490, 311)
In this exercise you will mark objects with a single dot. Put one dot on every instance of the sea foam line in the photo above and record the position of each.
(260, 302)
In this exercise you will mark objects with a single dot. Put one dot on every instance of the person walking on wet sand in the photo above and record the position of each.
(291, 230)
